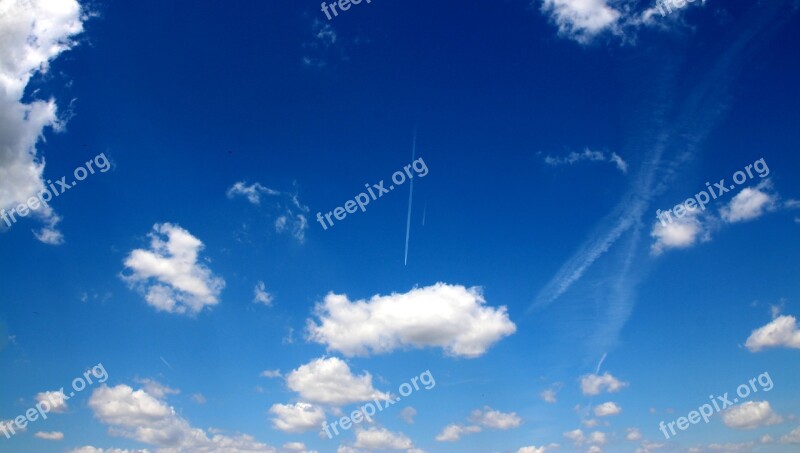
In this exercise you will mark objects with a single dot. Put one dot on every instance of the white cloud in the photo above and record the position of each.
(453, 432)
(633, 434)
(549, 396)
(376, 438)
(451, 317)
(54, 435)
(156, 388)
(594, 384)
(648, 447)
(297, 418)
(582, 20)
(34, 34)
(541, 449)
(199, 398)
(598, 437)
(750, 415)
(750, 203)
(57, 400)
(252, 192)
(271, 374)
(782, 331)
(260, 294)
(792, 438)
(137, 415)
(588, 155)
(607, 409)
(680, 233)
(330, 381)
(297, 446)
(408, 414)
(90, 449)
(576, 436)
(169, 273)
(491, 418)
(289, 211)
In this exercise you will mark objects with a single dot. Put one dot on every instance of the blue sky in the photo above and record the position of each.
(553, 308)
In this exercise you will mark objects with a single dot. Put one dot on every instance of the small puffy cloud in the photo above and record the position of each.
(595, 384)
(682, 232)
(750, 203)
(297, 446)
(576, 436)
(54, 435)
(252, 192)
(453, 432)
(260, 294)
(781, 332)
(56, 399)
(408, 414)
(548, 396)
(271, 374)
(491, 418)
(588, 156)
(597, 437)
(750, 415)
(375, 438)
(582, 20)
(169, 273)
(451, 317)
(792, 438)
(633, 434)
(330, 381)
(199, 398)
(297, 418)
(156, 388)
(533, 449)
(607, 409)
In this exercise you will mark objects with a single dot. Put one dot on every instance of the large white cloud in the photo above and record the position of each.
(140, 416)
(451, 317)
(34, 32)
(329, 381)
(297, 418)
(169, 273)
(750, 415)
(594, 384)
(782, 331)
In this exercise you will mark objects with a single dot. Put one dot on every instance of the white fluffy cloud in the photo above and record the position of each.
(491, 418)
(453, 432)
(156, 388)
(792, 438)
(408, 414)
(578, 438)
(260, 294)
(607, 409)
(781, 332)
(533, 449)
(53, 435)
(451, 317)
(34, 33)
(57, 400)
(582, 19)
(169, 273)
(680, 233)
(750, 203)
(594, 384)
(330, 381)
(750, 415)
(376, 438)
(140, 416)
(633, 434)
(297, 418)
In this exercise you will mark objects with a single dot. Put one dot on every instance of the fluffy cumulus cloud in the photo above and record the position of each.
(578, 438)
(750, 415)
(169, 272)
(377, 438)
(137, 415)
(156, 388)
(454, 432)
(90, 449)
(607, 409)
(260, 294)
(633, 434)
(451, 317)
(289, 213)
(792, 438)
(34, 34)
(532, 449)
(491, 418)
(594, 384)
(750, 203)
(329, 381)
(681, 232)
(781, 332)
(57, 400)
(297, 418)
(582, 20)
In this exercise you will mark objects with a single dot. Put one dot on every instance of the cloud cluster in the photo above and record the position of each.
(34, 34)
(169, 272)
(290, 213)
(450, 317)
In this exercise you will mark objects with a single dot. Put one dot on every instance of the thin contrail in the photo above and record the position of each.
(410, 194)
(601, 363)
(167, 364)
